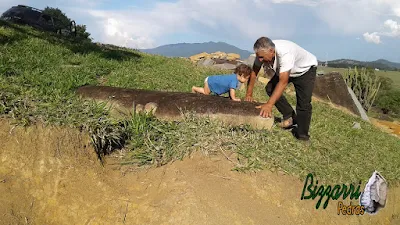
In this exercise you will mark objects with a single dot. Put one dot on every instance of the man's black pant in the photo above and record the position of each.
(304, 86)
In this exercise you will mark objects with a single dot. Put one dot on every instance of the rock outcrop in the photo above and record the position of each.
(198, 57)
(215, 56)
(232, 57)
(331, 87)
(219, 60)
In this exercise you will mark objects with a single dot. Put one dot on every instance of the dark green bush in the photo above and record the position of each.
(389, 102)
(386, 84)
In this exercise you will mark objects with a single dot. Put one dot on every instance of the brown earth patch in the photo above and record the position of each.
(51, 176)
(392, 127)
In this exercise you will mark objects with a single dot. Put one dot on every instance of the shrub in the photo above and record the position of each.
(389, 102)
(386, 84)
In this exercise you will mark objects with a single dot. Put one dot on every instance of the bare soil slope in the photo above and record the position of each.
(50, 176)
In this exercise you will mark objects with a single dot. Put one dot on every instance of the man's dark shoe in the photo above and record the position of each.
(300, 137)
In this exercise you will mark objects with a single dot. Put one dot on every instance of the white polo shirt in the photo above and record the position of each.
(291, 57)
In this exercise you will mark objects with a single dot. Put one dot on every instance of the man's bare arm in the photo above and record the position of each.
(266, 109)
(251, 82)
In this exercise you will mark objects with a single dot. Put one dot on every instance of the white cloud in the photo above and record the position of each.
(351, 17)
(373, 37)
(230, 19)
(394, 6)
(393, 31)
(394, 28)
(298, 2)
(139, 29)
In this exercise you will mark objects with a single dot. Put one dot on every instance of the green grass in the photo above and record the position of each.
(40, 72)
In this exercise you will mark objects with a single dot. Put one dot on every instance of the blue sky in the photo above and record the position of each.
(330, 29)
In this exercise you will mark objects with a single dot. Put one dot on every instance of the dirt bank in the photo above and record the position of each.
(389, 127)
(50, 176)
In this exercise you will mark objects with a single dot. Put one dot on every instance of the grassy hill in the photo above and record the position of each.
(189, 49)
(40, 72)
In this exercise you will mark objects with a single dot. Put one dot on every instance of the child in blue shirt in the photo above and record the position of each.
(221, 84)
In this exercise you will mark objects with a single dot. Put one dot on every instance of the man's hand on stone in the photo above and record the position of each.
(266, 110)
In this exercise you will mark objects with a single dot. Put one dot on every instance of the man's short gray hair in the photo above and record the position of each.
(263, 43)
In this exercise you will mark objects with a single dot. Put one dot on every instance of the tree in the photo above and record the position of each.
(81, 31)
(57, 13)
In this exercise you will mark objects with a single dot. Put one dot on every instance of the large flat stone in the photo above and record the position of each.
(170, 104)
(332, 87)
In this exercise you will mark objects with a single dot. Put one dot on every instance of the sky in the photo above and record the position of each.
(330, 29)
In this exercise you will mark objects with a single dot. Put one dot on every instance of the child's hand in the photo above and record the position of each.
(237, 99)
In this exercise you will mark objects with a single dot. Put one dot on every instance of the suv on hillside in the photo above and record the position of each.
(38, 19)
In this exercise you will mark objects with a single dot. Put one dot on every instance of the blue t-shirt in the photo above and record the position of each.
(221, 84)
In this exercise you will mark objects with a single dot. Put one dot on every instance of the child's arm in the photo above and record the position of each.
(232, 94)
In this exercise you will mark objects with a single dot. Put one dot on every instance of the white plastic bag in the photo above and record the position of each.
(374, 196)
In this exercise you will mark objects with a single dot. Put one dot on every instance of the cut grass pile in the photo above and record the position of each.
(39, 73)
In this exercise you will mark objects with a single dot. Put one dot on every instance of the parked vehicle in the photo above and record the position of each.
(36, 18)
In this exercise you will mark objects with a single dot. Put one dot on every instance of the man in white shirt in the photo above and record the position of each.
(289, 63)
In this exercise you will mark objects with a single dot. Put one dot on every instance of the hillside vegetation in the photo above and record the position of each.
(40, 72)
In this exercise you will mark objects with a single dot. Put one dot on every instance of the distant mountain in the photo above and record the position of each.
(189, 49)
(388, 63)
(381, 64)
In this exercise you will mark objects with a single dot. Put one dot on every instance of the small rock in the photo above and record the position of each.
(250, 60)
(139, 108)
(199, 56)
(218, 55)
(150, 107)
(356, 125)
(232, 56)
(225, 66)
(200, 62)
(207, 62)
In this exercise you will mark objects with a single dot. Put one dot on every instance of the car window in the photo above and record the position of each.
(32, 15)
